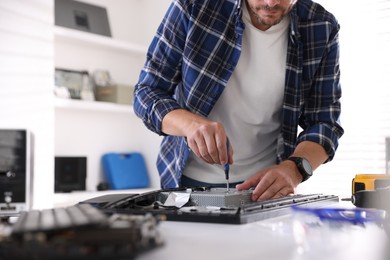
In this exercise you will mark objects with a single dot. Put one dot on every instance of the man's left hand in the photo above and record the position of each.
(274, 182)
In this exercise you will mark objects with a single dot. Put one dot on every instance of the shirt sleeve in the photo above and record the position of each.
(321, 115)
(154, 92)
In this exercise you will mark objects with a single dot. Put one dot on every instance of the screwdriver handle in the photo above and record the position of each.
(227, 167)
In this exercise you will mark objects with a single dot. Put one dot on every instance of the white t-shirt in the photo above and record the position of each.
(250, 106)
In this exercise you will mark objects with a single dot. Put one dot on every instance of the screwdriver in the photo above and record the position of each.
(227, 167)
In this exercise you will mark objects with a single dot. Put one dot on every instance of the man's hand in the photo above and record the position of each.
(208, 142)
(207, 139)
(281, 180)
(274, 182)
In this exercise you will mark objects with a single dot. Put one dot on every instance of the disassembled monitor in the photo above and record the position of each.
(205, 204)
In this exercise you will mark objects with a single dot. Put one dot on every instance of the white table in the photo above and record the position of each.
(269, 239)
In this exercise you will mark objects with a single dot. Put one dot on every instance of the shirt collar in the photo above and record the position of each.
(238, 3)
(294, 33)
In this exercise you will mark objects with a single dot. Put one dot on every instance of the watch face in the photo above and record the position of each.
(306, 165)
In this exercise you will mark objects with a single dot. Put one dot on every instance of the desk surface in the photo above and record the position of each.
(268, 239)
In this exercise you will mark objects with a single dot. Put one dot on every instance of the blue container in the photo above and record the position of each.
(125, 170)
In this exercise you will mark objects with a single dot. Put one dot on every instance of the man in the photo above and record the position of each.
(249, 72)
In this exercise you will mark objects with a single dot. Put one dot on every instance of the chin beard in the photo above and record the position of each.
(263, 22)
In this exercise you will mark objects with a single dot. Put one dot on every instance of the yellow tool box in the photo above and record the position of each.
(370, 182)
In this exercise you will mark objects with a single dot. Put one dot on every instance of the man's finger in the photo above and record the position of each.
(249, 183)
(263, 187)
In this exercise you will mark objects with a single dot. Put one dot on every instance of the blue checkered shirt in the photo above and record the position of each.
(195, 51)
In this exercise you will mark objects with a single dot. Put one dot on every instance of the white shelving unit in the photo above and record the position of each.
(94, 41)
(98, 41)
(73, 104)
(92, 128)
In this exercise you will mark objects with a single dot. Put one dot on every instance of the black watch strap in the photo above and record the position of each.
(303, 166)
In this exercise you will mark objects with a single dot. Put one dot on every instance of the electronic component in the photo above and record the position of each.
(217, 197)
(70, 173)
(82, 16)
(15, 171)
(79, 232)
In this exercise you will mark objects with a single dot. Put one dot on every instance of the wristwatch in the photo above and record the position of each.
(303, 166)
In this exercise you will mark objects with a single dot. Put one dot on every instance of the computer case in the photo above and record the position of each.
(15, 171)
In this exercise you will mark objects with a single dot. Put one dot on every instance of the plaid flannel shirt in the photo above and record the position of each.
(195, 51)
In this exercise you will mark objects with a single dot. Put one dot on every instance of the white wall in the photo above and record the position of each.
(26, 83)
(366, 97)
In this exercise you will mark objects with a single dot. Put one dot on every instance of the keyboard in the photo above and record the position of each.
(79, 232)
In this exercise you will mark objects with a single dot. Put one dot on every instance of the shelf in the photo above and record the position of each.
(64, 103)
(79, 37)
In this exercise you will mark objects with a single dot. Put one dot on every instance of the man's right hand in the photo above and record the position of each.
(207, 139)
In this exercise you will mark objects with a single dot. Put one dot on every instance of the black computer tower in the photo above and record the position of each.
(15, 171)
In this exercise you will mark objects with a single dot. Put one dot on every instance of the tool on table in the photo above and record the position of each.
(227, 167)
(370, 182)
(372, 198)
(370, 191)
